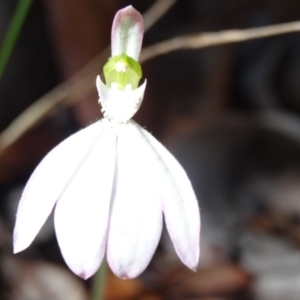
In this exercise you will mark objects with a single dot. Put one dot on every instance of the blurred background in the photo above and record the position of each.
(230, 114)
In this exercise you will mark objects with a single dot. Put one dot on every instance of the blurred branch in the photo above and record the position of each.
(202, 40)
(12, 33)
(83, 82)
(156, 11)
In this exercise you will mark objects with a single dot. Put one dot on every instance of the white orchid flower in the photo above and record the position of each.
(112, 181)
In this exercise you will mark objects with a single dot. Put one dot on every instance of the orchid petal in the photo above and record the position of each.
(117, 104)
(180, 205)
(136, 213)
(82, 212)
(48, 182)
(127, 33)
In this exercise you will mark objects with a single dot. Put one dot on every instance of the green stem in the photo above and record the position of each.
(12, 33)
(99, 282)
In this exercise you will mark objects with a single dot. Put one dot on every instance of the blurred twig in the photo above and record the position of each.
(82, 83)
(202, 40)
(156, 11)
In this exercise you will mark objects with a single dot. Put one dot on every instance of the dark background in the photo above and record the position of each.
(230, 114)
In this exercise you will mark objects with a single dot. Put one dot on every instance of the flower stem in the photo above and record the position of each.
(12, 33)
(99, 282)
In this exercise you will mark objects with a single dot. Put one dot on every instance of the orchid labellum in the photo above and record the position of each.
(112, 181)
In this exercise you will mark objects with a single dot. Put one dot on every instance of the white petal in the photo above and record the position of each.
(136, 214)
(82, 212)
(48, 181)
(117, 104)
(127, 33)
(179, 201)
